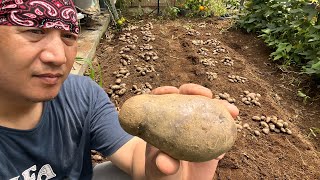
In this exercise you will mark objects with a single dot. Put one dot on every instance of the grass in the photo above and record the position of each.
(314, 131)
(92, 71)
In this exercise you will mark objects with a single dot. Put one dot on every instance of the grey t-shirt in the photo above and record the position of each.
(79, 119)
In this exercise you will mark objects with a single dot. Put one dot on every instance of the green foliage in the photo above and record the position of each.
(314, 131)
(171, 12)
(202, 8)
(92, 71)
(290, 27)
(303, 95)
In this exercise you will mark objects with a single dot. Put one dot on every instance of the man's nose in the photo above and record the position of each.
(54, 51)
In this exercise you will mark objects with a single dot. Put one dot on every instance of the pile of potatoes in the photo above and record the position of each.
(211, 76)
(210, 42)
(219, 49)
(145, 47)
(127, 48)
(227, 61)
(236, 79)
(272, 123)
(250, 98)
(226, 96)
(117, 90)
(192, 32)
(130, 28)
(147, 27)
(203, 51)
(148, 36)
(149, 55)
(197, 42)
(208, 62)
(128, 38)
(126, 59)
(145, 88)
(123, 72)
(144, 69)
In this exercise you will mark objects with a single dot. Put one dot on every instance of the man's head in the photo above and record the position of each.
(59, 14)
(37, 48)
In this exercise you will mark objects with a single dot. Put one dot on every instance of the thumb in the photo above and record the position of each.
(166, 164)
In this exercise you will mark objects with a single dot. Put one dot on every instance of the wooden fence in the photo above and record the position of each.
(152, 3)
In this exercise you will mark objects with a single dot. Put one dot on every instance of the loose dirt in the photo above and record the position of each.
(206, 52)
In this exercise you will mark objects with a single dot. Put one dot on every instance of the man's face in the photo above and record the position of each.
(34, 62)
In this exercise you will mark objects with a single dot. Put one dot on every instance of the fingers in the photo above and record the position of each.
(234, 111)
(220, 157)
(165, 90)
(166, 164)
(195, 89)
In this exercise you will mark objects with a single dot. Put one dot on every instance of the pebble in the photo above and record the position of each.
(264, 124)
(257, 133)
(118, 81)
(256, 118)
(272, 127)
(246, 125)
(288, 131)
(266, 130)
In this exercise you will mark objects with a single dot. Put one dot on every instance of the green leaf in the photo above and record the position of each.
(277, 57)
(267, 31)
(288, 48)
(316, 66)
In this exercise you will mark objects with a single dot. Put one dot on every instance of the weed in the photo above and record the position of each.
(92, 71)
(303, 95)
(314, 131)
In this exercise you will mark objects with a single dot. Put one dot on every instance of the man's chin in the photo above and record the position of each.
(43, 98)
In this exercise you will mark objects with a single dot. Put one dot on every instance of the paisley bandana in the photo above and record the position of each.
(58, 14)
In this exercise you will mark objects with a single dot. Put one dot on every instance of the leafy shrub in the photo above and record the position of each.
(290, 27)
(203, 8)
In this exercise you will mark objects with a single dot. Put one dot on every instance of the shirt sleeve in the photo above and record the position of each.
(106, 134)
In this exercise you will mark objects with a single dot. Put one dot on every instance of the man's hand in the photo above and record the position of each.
(161, 166)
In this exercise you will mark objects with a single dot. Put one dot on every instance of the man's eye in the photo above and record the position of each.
(36, 31)
(70, 36)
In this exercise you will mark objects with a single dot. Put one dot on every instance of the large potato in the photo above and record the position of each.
(186, 127)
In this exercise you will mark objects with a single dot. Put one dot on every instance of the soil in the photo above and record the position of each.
(268, 156)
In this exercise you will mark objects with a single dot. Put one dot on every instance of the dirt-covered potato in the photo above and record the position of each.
(186, 127)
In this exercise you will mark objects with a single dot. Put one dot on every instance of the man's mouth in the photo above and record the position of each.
(49, 78)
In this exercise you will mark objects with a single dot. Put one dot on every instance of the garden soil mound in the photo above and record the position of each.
(208, 52)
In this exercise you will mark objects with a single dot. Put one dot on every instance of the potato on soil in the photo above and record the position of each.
(187, 127)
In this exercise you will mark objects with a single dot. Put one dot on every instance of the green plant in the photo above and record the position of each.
(92, 71)
(303, 95)
(314, 131)
(290, 27)
(171, 12)
(202, 8)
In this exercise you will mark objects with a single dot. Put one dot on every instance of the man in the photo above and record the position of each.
(50, 120)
